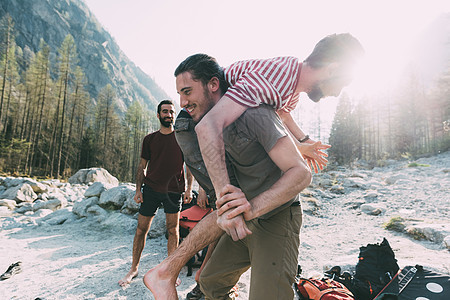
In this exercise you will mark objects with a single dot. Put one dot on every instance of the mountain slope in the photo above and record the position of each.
(99, 55)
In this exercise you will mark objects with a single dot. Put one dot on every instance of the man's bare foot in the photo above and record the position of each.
(161, 284)
(178, 282)
(127, 279)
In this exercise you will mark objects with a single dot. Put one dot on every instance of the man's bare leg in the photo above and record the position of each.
(161, 279)
(138, 245)
(172, 224)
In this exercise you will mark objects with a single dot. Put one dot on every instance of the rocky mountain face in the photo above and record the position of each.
(99, 55)
(432, 50)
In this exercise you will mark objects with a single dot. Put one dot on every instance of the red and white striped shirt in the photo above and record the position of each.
(264, 81)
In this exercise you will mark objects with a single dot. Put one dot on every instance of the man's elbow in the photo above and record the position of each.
(304, 177)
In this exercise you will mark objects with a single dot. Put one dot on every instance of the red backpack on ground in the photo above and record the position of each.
(323, 289)
(190, 215)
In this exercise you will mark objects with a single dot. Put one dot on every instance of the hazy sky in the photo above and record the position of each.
(158, 34)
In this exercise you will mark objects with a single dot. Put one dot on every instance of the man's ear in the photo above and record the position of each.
(333, 69)
(214, 84)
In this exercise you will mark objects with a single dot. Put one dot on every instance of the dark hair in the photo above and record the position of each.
(162, 103)
(341, 48)
(203, 67)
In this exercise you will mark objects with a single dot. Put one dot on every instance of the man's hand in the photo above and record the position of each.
(138, 197)
(187, 197)
(202, 198)
(235, 227)
(234, 202)
(312, 153)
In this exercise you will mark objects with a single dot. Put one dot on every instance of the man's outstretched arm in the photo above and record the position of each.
(210, 138)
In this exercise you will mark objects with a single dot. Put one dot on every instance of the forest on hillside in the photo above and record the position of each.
(408, 120)
(49, 125)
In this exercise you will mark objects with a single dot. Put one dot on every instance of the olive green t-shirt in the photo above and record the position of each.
(247, 143)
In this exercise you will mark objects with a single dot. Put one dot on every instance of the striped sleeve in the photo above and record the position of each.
(269, 81)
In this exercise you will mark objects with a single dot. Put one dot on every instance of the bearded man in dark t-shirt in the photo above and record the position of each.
(161, 173)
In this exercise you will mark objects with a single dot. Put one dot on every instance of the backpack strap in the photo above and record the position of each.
(331, 290)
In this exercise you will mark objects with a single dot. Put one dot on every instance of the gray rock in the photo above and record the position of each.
(121, 223)
(337, 189)
(37, 187)
(42, 213)
(355, 182)
(158, 227)
(432, 232)
(5, 211)
(80, 208)
(99, 214)
(447, 242)
(358, 174)
(370, 195)
(24, 207)
(96, 210)
(323, 194)
(354, 203)
(57, 217)
(115, 198)
(325, 182)
(373, 209)
(392, 179)
(43, 197)
(96, 189)
(20, 193)
(11, 204)
(130, 206)
(85, 176)
(52, 204)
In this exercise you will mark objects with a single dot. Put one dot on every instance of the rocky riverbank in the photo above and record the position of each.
(74, 238)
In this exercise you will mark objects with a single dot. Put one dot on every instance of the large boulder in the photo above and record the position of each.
(20, 193)
(80, 208)
(86, 176)
(37, 187)
(57, 217)
(115, 198)
(130, 206)
(11, 204)
(52, 204)
(96, 189)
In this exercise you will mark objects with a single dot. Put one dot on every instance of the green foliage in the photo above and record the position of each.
(414, 164)
(395, 224)
(51, 128)
(344, 134)
(416, 234)
(404, 122)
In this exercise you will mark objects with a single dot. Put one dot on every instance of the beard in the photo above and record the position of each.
(315, 94)
(207, 104)
(166, 123)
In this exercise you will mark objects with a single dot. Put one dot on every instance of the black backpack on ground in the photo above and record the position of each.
(375, 269)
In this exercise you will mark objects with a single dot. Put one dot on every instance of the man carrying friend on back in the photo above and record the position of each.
(199, 93)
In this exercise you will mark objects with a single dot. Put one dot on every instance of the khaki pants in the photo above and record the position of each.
(271, 252)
